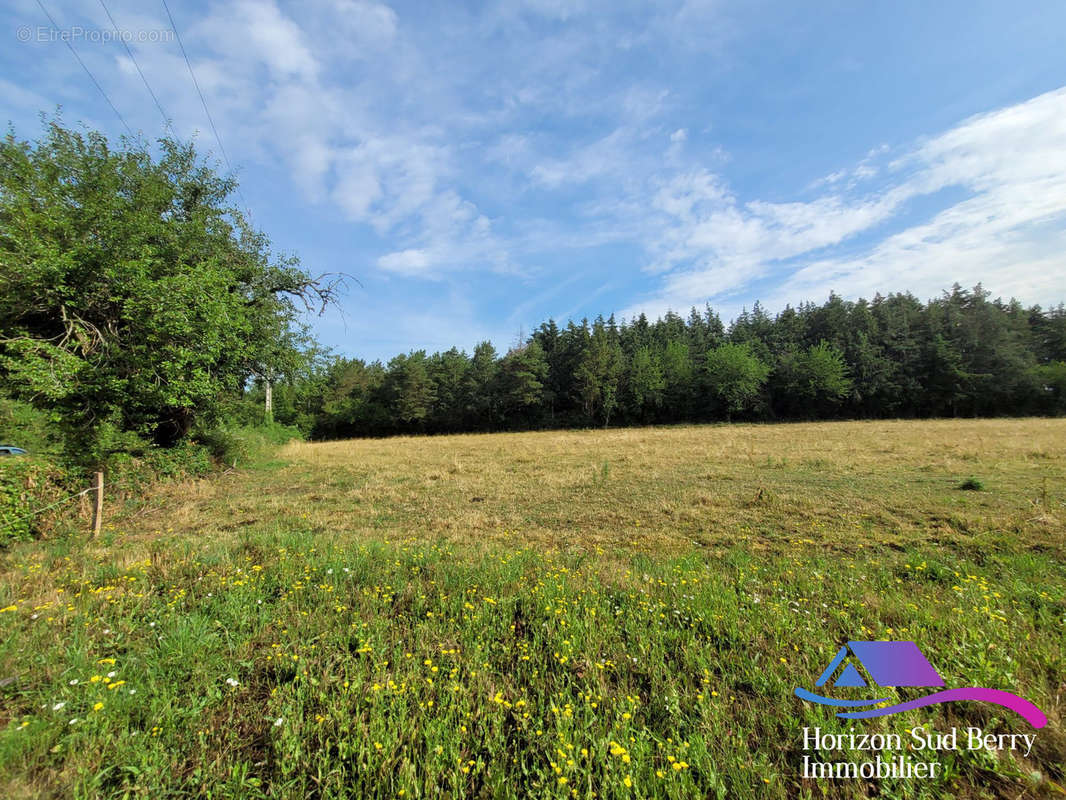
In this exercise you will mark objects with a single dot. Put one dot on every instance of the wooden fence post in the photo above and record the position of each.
(98, 509)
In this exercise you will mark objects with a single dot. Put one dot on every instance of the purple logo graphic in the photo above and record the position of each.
(902, 664)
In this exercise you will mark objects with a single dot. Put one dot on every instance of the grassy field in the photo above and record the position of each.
(610, 614)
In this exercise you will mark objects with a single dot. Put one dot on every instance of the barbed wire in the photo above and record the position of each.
(53, 505)
(35, 512)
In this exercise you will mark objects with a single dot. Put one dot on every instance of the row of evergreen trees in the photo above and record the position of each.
(959, 355)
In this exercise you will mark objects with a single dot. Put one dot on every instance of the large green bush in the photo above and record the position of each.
(240, 446)
(134, 297)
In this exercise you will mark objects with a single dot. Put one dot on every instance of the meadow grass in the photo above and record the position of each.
(612, 614)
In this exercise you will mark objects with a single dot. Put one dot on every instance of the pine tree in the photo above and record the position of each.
(449, 371)
(410, 389)
(597, 375)
(521, 384)
(482, 406)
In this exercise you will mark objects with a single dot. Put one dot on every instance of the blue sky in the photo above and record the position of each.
(481, 168)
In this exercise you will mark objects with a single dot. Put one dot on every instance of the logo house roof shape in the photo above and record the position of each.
(887, 663)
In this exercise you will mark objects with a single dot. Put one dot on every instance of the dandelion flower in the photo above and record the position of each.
(97, 706)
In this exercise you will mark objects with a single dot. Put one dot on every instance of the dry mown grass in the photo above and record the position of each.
(838, 484)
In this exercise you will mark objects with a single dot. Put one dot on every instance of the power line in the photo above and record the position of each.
(66, 40)
(166, 119)
(195, 83)
(214, 130)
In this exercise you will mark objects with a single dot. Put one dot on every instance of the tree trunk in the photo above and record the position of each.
(268, 415)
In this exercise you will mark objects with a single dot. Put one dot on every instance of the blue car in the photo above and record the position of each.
(11, 450)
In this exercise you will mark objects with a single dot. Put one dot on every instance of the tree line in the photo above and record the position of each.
(961, 354)
(140, 310)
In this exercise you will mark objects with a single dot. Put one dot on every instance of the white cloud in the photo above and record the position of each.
(406, 262)
(847, 179)
(259, 29)
(357, 188)
(512, 140)
(331, 121)
(609, 156)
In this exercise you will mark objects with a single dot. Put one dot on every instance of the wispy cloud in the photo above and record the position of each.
(533, 156)
(1007, 230)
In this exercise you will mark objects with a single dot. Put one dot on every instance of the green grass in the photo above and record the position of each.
(379, 657)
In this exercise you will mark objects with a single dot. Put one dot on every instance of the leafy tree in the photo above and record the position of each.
(678, 373)
(645, 383)
(813, 381)
(735, 376)
(352, 402)
(133, 298)
(299, 383)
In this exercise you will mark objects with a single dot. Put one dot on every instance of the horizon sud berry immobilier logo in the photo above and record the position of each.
(893, 664)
